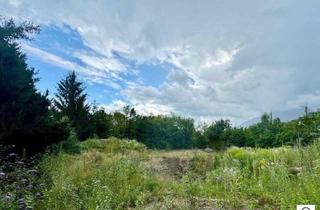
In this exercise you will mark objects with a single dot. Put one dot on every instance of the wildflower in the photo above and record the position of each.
(32, 171)
(7, 197)
(21, 203)
(38, 194)
(12, 154)
(230, 171)
(2, 175)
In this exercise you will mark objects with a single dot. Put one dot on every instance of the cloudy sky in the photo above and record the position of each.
(206, 59)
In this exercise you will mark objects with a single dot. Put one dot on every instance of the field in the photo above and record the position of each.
(116, 174)
(123, 174)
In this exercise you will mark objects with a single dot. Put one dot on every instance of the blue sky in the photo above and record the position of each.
(63, 42)
(207, 59)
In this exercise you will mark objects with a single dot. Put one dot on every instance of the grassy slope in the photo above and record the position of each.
(114, 174)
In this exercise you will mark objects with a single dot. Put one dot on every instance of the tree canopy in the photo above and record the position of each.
(22, 108)
(28, 119)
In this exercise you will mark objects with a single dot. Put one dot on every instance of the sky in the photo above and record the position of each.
(207, 59)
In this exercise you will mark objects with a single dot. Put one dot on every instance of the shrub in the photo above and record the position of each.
(93, 144)
(118, 183)
(200, 164)
(113, 145)
(70, 146)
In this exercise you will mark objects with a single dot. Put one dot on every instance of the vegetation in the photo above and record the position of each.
(45, 162)
(25, 119)
(21, 182)
(124, 174)
(27, 114)
(71, 102)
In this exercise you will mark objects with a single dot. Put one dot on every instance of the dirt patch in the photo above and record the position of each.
(168, 167)
(176, 167)
(171, 165)
(185, 204)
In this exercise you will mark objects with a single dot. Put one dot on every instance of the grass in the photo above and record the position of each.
(123, 174)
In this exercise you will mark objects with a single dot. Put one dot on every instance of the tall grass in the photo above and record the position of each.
(116, 174)
(264, 178)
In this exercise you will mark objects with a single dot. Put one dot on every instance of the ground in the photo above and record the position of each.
(124, 174)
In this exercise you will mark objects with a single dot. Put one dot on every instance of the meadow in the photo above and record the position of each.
(124, 174)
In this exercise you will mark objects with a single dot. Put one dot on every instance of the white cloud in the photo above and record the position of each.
(116, 105)
(56, 60)
(144, 109)
(94, 75)
(232, 59)
(109, 65)
(312, 100)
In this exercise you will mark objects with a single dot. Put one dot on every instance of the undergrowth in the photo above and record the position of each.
(122, 174)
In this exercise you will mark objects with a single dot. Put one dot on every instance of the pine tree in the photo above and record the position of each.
(71, 102)
(23, 110)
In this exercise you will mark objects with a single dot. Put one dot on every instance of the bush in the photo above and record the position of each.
(115, 183)
(200, 164)
(90, 144)
(113, 145)
(70, 146)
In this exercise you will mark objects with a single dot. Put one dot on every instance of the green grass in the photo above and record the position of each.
(123, 174)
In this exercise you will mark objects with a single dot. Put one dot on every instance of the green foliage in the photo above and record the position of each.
(200, 164)
(235, 137)
(106, 175)
(71, 102)
(272, 133)
(264, 133)
(70, 146)
(162, 132)
(91, 144)
(113, 145)
(215, 134)
(25, 120)
(95, 180)
(101, 123)
(263, 178)
(166, 132)
(174, 132)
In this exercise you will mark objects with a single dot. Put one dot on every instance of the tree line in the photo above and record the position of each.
(30, 120)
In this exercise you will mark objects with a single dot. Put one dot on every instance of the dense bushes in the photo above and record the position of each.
(174, 132)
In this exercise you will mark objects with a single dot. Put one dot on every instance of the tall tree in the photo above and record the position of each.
(101, 123)
(23, 110)
(215, 133)
(71, 102)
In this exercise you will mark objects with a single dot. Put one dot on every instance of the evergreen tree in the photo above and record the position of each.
(71, 102)
(23, 110)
